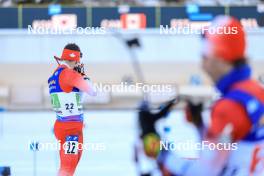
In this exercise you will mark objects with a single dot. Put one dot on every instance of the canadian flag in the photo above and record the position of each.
(133, 21)
(64, 21)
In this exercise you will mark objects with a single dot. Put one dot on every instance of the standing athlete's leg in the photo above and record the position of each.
(69, 153)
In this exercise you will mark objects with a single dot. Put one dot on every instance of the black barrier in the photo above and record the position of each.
(21, 17)
(104, 13)
(192, 13)
(29, 15)
(107, 16)
(8, 17)
(251, 14)
(169, 13)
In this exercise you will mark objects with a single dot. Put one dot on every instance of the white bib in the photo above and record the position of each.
(67, 104)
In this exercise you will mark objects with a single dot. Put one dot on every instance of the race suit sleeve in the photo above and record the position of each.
(229, 112)
(69, 79)
(225, 113)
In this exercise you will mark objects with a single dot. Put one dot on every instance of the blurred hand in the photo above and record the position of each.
(194, 113)
(151, 143)
(80, 69)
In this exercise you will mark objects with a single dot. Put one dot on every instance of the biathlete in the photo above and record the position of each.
(66, 86)
(236, 129)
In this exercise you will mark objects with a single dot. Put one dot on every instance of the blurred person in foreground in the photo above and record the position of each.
(66, 86)
(236, 130)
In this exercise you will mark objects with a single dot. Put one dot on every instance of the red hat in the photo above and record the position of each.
(225, 38)
(70, 55)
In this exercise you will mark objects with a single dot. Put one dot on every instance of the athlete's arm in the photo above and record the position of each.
(70, 78)
(229, 112)
(225, 114)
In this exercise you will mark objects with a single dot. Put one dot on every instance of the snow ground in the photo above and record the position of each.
(115, 130)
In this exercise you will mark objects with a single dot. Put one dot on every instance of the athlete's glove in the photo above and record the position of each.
(151, 144)
(80, 69)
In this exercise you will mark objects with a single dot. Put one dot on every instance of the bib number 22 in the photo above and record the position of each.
(71, 145)
(69, 106)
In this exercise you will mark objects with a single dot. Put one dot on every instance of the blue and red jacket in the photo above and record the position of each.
(241, 105)
(65, 87)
